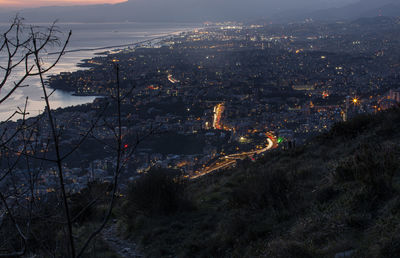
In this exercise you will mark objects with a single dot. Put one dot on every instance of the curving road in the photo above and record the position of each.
(230, 160)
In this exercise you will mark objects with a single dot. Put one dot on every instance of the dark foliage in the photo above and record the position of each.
(44, 237)
(158, 192)
(288, 249)
(267, 189)
(290, 204)
(391, 247)
(373, 165)
(83, 204)
(351, 128)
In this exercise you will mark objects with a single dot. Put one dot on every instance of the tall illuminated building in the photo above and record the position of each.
(218, 111)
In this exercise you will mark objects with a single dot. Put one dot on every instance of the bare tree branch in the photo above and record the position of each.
(55, 139)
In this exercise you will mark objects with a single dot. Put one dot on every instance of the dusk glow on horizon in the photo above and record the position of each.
(38, 3)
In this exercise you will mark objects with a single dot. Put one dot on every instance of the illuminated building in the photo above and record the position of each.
(304, 87)
(346, 111)
(218, 111)
(391, 99)
(394, 95)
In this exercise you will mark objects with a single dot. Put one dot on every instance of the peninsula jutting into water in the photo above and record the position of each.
(88, 39)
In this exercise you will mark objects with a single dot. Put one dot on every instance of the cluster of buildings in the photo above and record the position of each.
(219, 90)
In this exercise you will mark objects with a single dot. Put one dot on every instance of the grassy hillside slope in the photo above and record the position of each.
(339, 192)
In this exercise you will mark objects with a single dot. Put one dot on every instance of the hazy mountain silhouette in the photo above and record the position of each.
(207, 10)
(171, 10)
(363, 8)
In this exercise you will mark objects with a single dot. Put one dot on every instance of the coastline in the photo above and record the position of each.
(85, 63)
(125, 46)
(77, 61)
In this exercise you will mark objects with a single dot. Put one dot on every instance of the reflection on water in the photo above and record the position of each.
(35, 93)
(83, 36)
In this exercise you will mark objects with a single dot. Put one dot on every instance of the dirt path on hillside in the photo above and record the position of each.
(122, 247)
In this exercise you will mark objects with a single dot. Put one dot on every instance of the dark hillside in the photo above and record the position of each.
(338, 193)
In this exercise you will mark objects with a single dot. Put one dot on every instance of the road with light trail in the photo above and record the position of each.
(230, 160)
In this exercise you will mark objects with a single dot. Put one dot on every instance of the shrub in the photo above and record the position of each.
(351, 128)
(231, 229)
(43, 234)
(390, 247)
(344, 172)
(288, 249)
(158, 192)
(83, 204)
(267, 189)
(383, 238)
(373, 165)
(326, 194)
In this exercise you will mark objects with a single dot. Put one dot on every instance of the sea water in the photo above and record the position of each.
(85, 37)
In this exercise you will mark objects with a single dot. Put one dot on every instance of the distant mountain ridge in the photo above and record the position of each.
(148, 11)
(206, 10)
(363, 8)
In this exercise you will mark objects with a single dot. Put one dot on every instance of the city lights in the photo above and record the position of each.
(218, 111)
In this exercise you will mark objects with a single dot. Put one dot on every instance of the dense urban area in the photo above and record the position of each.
(232, 140)
(205, 99)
